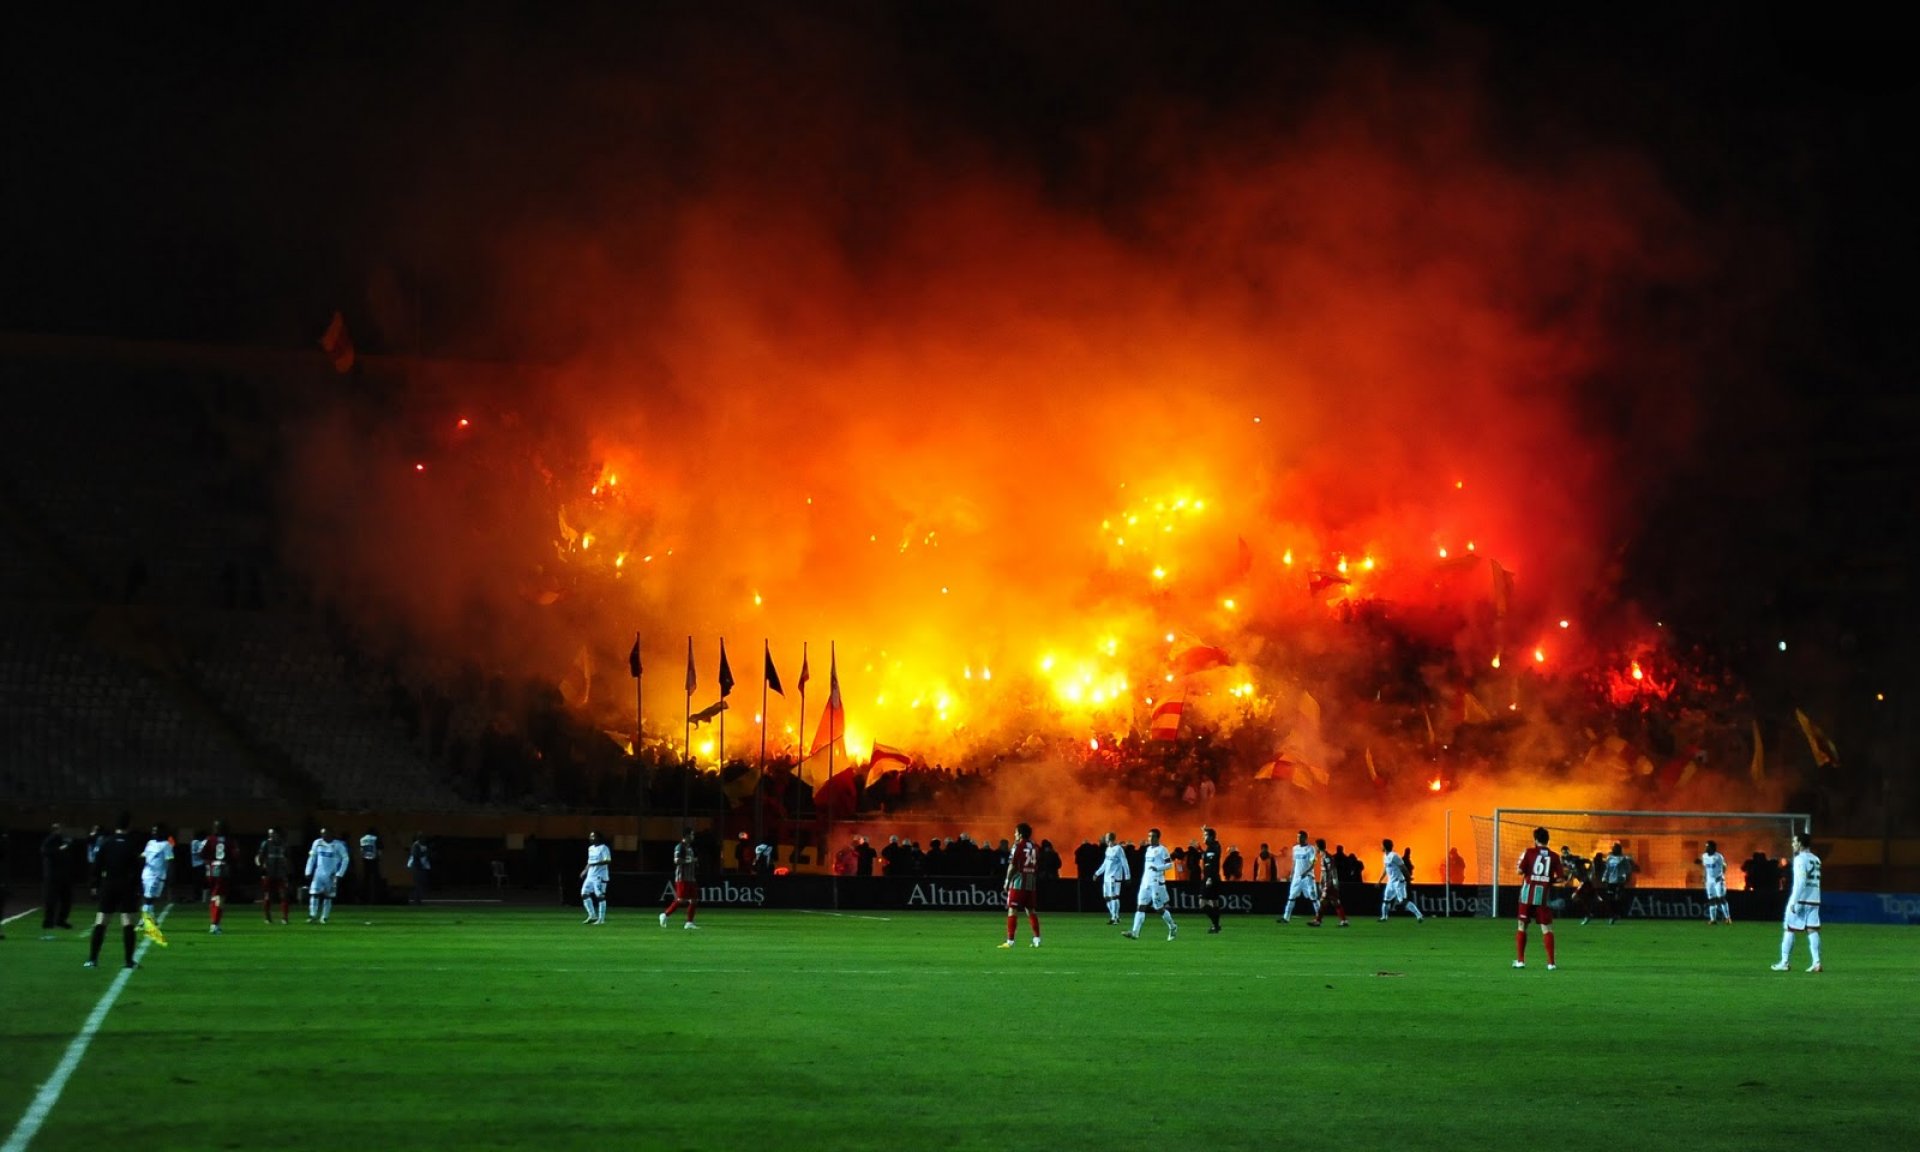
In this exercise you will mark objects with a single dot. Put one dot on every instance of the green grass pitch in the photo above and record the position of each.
(458, 1027)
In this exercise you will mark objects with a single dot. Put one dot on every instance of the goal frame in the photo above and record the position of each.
(1800, 822)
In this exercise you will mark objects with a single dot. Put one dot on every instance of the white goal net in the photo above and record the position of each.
(1665, 846)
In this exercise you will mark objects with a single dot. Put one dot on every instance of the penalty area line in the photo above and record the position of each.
(49, 1094)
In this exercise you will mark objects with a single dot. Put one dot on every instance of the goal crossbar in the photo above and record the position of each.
(1707, 822)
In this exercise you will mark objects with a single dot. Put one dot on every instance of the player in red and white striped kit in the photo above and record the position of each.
(1539, 872)
(1023, 884)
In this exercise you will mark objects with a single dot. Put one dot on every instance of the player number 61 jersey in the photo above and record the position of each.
(1539, 872)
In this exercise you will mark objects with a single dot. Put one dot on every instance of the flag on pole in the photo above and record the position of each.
(739, 781)
(338, 344)
(804, 674)
(692, 680)
(1757, 769)
(885, 762)
(1165, 724)
(726, 672)
(633, 659)
(1373, 773)
(1199, 658)
(708, 713)
(1474, 712)
(1824, 752)
(837, 798)
(772, 675)
(833, 720)
(1321, 581)
(1502, 590)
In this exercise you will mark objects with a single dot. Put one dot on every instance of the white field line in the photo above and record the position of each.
(49, 1094)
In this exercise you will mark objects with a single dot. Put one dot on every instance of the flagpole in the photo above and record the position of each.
(833, 737)
(686, 767)
(639, 725)
(760, 781)
(800, 748)
(721, 759)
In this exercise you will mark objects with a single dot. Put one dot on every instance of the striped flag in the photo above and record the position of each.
(1165, 724)
(885, 762)
(833, 720)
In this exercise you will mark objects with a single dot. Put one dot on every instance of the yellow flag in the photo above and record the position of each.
(1758, 769)
(1824, 753)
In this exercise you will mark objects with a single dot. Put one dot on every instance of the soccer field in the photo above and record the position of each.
(482, 1027)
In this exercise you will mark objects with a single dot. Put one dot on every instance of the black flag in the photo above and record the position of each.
(726, 673)
(773, 675)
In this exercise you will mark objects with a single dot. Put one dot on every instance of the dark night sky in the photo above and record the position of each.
(233, 180)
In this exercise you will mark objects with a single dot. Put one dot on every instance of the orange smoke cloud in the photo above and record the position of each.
(1011, 449)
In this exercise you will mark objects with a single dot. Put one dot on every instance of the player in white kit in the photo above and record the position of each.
(1713, 867)
(1113, 872)
(1393, 883)
(1302, 887)
(593, 879)
(1803, 905)
(157, 861)
(326, 863)
(1153, 887)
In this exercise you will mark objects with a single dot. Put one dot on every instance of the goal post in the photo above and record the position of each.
(1665, 846)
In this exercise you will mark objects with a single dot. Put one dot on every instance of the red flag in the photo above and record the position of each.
(804, 674)
(1199, 658)
(1502, 590)
(1321, 581)
(835, 799)
(337, 344)
(833, 720)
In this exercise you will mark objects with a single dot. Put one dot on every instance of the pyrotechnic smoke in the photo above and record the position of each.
(1014, 426)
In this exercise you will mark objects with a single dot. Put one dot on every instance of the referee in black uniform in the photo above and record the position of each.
(1210, 876)
(116, 871)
